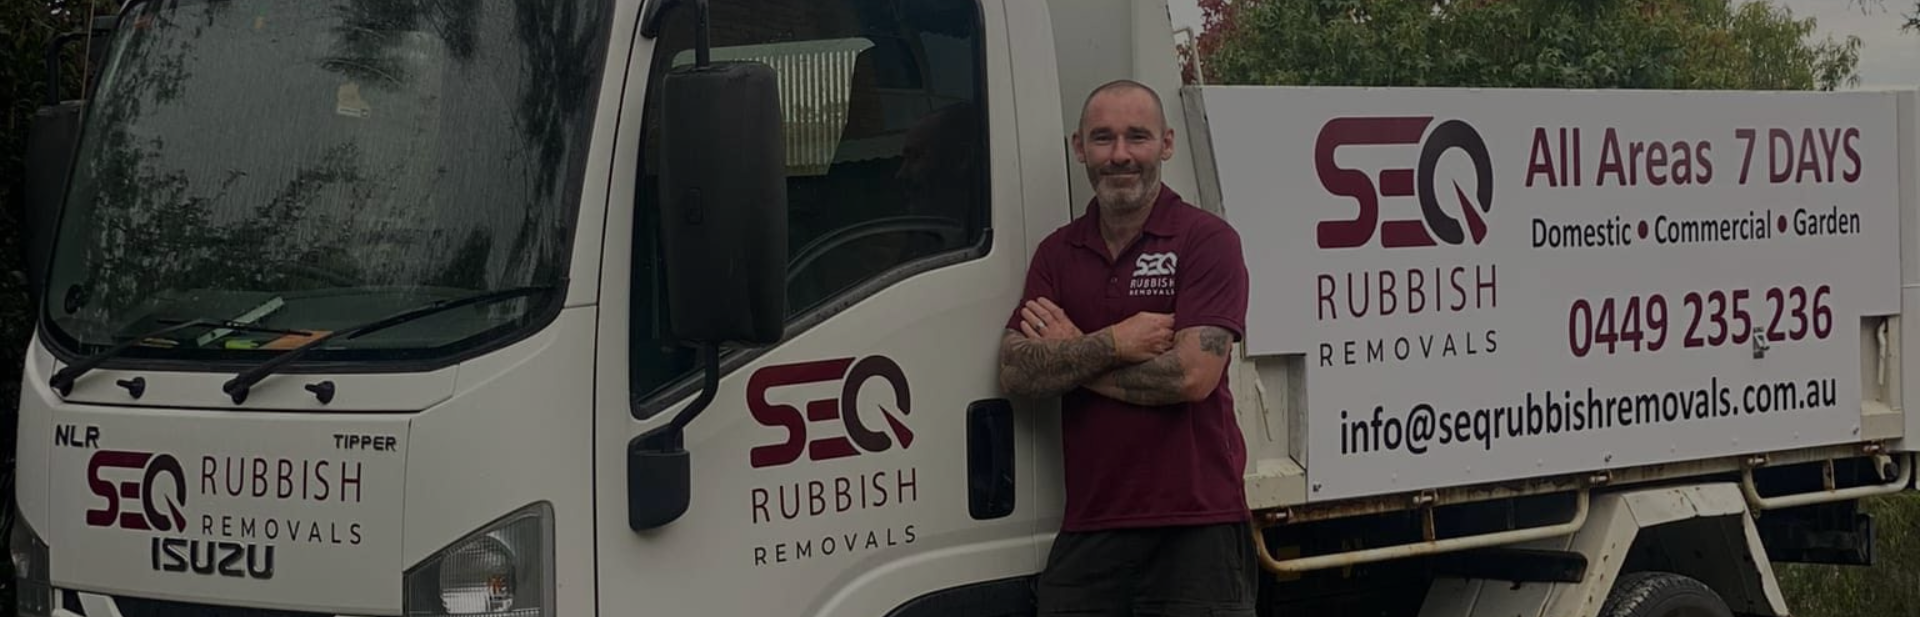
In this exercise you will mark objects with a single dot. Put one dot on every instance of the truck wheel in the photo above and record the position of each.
(1662, 594)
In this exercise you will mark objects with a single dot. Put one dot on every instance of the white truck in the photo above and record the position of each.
(634, 307)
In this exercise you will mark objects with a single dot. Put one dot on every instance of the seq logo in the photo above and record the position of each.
(1436, 223)
(844, 432)
(151, 504)
(1156, 264)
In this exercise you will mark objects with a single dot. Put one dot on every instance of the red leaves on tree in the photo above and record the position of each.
(1217, 18)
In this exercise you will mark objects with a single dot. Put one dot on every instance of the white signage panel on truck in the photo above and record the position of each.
(266, 511)
(1488, 289)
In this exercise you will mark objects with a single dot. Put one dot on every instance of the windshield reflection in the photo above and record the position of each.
(315, 164)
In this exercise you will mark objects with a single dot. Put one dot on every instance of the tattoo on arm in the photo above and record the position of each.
(1152, 383)
(1215, 341)
(1162, 380)
(1031, 367)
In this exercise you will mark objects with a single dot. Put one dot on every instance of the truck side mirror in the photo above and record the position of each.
(723, 231)
(723, 199)
(51, 142)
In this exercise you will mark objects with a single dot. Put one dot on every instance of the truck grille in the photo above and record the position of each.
(143, 607)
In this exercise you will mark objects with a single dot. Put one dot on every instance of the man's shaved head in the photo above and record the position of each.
(1125, 86)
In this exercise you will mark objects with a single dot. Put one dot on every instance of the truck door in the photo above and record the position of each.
(866, 465)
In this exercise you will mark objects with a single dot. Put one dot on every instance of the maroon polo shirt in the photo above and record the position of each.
(1129, 465)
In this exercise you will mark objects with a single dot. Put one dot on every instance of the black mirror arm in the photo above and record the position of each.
(703, 18)
(670, 436)
(53, 64)
(103, 25)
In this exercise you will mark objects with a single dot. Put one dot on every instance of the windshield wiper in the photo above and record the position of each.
(241, 384)
(62, 381)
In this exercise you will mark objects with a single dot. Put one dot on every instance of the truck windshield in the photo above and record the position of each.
(311, 165)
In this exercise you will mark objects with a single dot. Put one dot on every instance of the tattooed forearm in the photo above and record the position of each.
(1030, 367)
(1155, 382)
(1173, 377)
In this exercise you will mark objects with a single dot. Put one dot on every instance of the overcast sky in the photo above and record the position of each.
(1888, 57)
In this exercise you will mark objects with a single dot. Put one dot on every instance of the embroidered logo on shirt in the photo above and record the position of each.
(1153, 275)
(1155, 264)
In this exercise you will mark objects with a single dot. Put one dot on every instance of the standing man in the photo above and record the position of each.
(1128, 316)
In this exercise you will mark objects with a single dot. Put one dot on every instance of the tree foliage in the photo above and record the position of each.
(1888, 588)
(1909, 22)
(1640, 44)
(27, 28)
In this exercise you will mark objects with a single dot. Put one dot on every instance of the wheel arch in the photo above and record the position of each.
(1721, 551)
(1701, 531)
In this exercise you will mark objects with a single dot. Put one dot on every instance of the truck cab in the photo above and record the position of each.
(368, 308)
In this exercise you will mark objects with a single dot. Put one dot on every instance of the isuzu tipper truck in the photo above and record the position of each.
(666, 307)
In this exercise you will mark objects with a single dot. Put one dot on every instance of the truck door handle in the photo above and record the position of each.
(990, 473)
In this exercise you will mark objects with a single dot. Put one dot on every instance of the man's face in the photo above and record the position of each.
(1123, 139)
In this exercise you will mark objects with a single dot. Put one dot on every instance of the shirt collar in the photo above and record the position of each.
(1160, 219)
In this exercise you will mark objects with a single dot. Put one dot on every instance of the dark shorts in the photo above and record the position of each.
(1184, 571)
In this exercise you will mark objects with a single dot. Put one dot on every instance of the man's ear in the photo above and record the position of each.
(1166, 143)
(1079, 147)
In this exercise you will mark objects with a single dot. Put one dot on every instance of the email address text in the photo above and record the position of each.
(1423, 426)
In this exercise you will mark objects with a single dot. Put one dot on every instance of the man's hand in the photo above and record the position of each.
(1042, 319)
(1139, 338)
(1143, 337)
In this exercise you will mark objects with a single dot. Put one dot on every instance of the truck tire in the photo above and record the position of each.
(1662, 594)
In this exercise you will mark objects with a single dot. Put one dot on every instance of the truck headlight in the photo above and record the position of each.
(33, 583)
(505, 568)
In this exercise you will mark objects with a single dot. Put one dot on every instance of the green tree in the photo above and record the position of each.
(1909, 22)
(1658, 44)
(1888, 588)
(27, 28)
